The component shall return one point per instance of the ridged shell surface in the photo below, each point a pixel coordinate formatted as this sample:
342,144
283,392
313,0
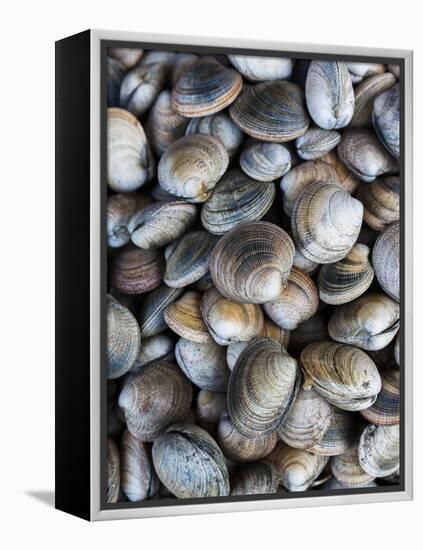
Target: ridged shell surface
339,436
256,478
381,201
221,126
365,95
257,68
127,56
150,315
347,469
265,161
113,472
386,409
135,271
386,119
141,86
184,318
386,260
120,209
316,142
379,450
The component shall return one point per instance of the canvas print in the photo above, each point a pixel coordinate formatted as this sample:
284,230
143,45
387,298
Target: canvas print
253,276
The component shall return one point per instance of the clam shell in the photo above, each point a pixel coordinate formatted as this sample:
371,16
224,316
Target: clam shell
261,388
181,63
326,222
381,201
369,322
379,449
316,142
155,398
113,472
236,199
150,315
239,448
204,364
136,271
364,155
205,87
120,209
297,303
343,281
302,176
360,71
258,68
184,318
159,346
230,322
115,71
339,436
347,469
386,260
265,161
188,259
386,119
209,406
164,125
256,478
190,464
141,86
296,469
329,94
192,166
130,162
138,478
127,56
304,264
219,125
161,223
251,263
343,175
123,339
233,351
365,94
344,375
307,420
395,70
386,409
271,111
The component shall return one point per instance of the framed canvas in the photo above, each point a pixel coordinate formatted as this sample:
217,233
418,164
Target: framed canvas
233,275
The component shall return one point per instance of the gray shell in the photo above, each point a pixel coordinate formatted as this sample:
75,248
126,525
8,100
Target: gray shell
365,95
379,450
219,125
258,68
265,161
386,260
386,119
150,316
256,478
316,142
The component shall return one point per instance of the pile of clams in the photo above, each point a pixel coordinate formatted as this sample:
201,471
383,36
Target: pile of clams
253,275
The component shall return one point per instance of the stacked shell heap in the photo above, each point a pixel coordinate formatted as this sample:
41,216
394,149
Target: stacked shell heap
253,270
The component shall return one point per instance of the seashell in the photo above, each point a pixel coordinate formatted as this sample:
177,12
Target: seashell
113,472
184,318
312,330
395,70
365,94
150,316
160,223
302,176
219,125
271,111
326,222
381,201
364,155
120,209
190,464
258,68
386,409
344,375
239,448
159,194
272,330
343,281
347,469
154,348
123,339
251,262
181,63
316,142
261,388
304,264
233,351
204,364
158,396
397,352
360,71
265,161
130,162
307,420
343,175
297,303
386,119
256,478
188,260
209,406
378,450
129,57
164,125
339,436
205,87
115,71
369,322
159,56
136,271
296,469
386,260
334,484
141,86
230,322
138,478
329,94
204,283
192,166
236,199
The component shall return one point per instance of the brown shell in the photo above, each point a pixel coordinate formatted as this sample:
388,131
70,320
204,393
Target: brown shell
184,317
347,470
135,271
386,260
113,472
256,478
386,409
339,436
381,201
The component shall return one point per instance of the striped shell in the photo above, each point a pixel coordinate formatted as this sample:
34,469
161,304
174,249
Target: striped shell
271,111
251,263
184,318
113,472
127,56
141,86
316,142
365,94
360,71
154,348
339,436
347,469
381,201
150,315
258,68
256,478
120,209
379,450
265,161
236,199
344,375
135,271
344,176
386,119
386,409
155,398
386,260
221,126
